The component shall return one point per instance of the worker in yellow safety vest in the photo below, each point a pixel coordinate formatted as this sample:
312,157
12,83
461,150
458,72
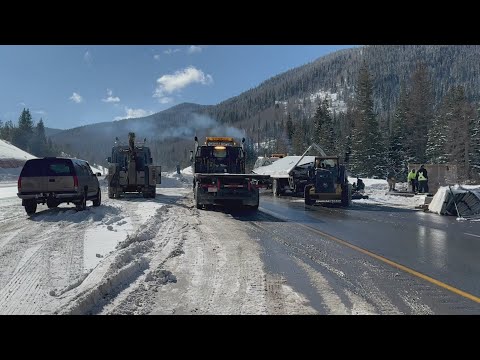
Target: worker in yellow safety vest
412,179
422,178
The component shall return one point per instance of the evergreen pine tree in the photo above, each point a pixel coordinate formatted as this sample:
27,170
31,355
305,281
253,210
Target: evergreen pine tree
323,130
397,158
39,141
475,148
367,156
22,136
298,139
460,120
289,127
420,112
436,152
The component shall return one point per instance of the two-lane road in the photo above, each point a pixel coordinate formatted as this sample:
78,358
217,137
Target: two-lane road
390,260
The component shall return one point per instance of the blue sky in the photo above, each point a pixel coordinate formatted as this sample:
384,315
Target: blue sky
71,86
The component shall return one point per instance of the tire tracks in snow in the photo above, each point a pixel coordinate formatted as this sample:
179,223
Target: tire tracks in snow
109,285
40,254
222,273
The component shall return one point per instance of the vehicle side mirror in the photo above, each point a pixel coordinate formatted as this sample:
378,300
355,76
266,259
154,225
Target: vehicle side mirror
191,155
109,159
98,174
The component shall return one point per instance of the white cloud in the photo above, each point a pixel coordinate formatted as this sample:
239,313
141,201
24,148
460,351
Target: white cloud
171,51
156,57
88,57
194,49
165,100
110,98
22,104
76,98
168,84
39,112
133,113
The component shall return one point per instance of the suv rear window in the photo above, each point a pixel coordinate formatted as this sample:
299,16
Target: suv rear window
47,167
59,169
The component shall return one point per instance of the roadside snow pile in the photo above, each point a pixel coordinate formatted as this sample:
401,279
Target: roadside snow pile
9,151
464,198
187,171
377,189
11,160
174,180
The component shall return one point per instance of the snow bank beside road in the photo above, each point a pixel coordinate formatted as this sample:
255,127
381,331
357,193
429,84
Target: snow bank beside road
9,151
377,189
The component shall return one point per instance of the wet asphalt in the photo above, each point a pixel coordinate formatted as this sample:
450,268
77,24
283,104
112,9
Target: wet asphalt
295,237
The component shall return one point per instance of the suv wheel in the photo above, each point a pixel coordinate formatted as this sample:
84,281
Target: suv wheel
98,200
31,207
82,205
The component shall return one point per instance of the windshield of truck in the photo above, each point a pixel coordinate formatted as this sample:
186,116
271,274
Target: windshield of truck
220,152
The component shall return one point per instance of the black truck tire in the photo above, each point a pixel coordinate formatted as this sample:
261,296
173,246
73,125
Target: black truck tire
346,196
195,195
51,203
306,195
254,207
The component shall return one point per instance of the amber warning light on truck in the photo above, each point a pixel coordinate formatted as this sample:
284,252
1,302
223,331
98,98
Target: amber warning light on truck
220,141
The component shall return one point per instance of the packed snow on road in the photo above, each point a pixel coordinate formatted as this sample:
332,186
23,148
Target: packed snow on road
131,256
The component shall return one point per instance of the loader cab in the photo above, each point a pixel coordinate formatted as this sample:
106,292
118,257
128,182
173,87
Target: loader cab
326,174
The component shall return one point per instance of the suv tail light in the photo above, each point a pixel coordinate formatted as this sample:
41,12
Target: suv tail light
19,184
75,182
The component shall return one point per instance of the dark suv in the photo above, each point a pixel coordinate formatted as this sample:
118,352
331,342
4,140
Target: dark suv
53,181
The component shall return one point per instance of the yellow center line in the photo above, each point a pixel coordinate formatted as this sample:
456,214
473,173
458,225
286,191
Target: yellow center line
381,258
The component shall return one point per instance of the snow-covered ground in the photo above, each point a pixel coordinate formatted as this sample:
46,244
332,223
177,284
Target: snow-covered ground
11,161
377,191
133,256
9,151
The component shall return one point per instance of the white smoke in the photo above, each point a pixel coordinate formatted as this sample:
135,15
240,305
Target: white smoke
214,128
